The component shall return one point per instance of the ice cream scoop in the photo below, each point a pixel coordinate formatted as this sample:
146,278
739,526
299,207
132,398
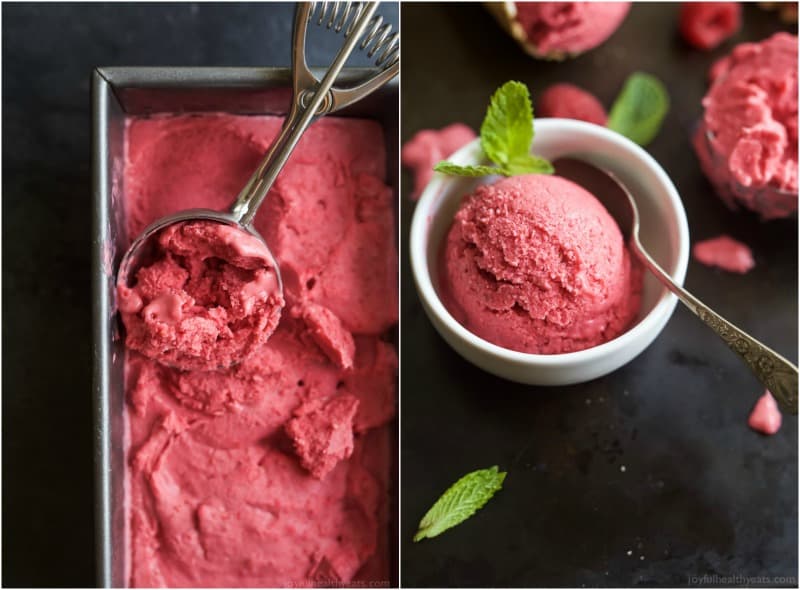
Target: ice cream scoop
312,98
775,372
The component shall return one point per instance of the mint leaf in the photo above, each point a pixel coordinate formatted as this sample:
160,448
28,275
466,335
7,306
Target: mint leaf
640,108
456,170
507,129
506,136
460,501
528,164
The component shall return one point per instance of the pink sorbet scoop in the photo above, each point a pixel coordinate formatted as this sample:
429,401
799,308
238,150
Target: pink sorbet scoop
536,264
210,297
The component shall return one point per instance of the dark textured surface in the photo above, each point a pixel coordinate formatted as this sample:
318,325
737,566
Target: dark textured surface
701,494
48,54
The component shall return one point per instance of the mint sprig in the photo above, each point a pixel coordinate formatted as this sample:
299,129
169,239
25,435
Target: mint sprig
460,501
640,108
506,137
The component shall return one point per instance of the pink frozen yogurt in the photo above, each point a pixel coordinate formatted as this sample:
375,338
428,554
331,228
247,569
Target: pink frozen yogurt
765,417
322,433
536,264
328,332
726,253
430,146
208,301
571,102
275,471
557,29
747,139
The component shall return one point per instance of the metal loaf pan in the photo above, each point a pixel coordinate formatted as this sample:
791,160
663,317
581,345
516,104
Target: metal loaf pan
116,93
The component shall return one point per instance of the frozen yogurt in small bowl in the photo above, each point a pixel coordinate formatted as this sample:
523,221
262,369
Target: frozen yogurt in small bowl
529,277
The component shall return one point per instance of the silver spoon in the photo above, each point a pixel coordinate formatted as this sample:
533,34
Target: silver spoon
311,99
773,371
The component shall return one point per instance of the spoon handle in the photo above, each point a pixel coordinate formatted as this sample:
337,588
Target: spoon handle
773,371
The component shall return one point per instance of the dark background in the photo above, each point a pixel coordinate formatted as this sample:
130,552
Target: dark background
49,51
701,493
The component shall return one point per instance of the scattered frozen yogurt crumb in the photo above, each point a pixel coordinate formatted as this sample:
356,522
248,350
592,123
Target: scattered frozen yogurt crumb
571,102
765,417
622,468
430,146
726,253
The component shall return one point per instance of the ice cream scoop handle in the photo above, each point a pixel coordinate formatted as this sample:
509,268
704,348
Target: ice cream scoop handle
773,371
309,102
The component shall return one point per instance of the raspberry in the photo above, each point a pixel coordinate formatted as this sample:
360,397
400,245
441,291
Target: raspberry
705,25
570,102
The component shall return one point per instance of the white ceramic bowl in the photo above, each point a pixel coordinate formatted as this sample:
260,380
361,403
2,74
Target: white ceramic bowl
664,233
